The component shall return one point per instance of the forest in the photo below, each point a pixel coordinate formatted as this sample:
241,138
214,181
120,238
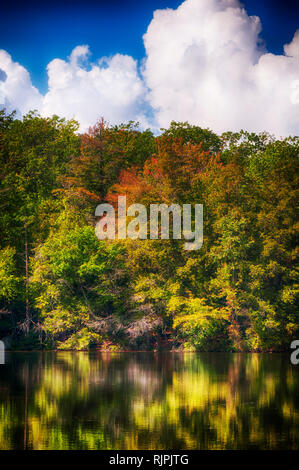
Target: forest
62,288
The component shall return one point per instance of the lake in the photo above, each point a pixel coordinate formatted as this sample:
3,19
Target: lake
148,400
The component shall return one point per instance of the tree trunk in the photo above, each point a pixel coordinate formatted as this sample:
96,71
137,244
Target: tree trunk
28,319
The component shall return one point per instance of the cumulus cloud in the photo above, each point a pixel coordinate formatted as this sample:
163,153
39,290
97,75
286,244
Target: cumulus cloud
78,88
205,63
16,89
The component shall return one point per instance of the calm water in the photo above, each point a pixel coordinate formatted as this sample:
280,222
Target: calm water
148,401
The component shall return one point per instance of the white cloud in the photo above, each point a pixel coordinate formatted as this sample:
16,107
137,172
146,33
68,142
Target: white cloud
205,63
78,88
292,49
16,89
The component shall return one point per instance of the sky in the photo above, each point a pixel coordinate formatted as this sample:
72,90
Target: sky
220,64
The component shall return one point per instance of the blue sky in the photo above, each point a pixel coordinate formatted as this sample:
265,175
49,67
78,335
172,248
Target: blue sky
210,62
34,32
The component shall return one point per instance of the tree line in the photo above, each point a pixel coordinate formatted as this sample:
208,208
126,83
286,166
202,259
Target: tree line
60,287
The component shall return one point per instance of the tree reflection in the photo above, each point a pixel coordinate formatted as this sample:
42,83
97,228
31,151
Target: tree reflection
132,401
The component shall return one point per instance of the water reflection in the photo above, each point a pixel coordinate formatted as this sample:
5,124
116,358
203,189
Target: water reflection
148,401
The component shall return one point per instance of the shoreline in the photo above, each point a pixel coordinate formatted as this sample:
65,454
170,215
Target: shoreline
177,351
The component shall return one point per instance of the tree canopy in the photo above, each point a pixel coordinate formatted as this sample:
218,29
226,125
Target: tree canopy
60,287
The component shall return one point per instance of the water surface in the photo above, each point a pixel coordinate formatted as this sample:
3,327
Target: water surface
65,400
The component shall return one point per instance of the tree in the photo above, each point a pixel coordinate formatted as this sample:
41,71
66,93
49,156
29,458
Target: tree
79,284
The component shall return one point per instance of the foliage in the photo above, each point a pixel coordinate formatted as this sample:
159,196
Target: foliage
78,282
238,292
